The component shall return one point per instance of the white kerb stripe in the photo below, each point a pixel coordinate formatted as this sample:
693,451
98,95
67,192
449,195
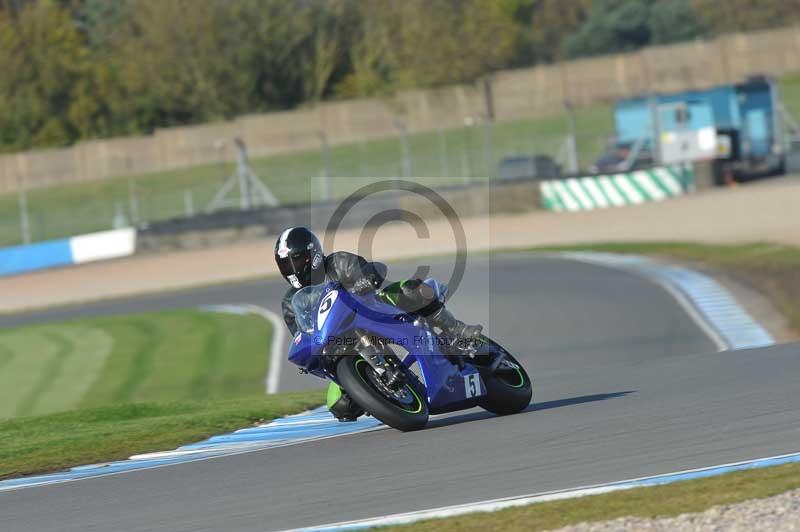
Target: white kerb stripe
565,196
104,245
647,183
549,196
576,188
611,191
590,184
629,190
669,181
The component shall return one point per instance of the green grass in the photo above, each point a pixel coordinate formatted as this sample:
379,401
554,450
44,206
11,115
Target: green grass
100,389
85,207
789,88
771,269
163,356
90,435
662,501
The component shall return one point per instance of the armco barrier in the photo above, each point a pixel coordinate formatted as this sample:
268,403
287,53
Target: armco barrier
617,190
75,250
225,227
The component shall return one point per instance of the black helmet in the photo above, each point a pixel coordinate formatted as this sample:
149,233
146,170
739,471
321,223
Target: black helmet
298,254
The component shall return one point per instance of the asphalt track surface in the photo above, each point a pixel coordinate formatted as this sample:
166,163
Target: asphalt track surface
626,385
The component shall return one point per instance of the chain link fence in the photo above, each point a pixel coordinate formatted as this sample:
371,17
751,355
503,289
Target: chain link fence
437,158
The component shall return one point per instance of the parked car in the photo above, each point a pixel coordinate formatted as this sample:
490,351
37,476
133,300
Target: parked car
541,167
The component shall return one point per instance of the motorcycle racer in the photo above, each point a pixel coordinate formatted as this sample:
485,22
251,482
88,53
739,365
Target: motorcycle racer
301,261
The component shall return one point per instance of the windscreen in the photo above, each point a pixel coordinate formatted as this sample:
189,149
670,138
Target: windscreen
305,303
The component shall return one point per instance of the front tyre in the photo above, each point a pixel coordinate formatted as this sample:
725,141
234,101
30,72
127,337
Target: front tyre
403,409
509,389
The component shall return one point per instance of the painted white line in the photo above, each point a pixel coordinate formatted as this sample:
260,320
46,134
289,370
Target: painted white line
494,505
277,350
278,347
168,454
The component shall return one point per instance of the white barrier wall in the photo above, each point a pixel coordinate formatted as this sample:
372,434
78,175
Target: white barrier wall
102,246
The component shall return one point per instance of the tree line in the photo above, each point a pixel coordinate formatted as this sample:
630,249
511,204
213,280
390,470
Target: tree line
82,69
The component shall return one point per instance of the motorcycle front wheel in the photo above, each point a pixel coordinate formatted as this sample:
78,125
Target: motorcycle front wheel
509,389
403,408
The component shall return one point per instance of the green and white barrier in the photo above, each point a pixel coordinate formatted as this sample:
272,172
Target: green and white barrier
617,190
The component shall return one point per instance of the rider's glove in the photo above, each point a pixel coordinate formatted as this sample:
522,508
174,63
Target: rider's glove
363,286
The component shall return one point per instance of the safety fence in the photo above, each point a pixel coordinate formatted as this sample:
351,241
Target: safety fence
573,194
445,157
617,190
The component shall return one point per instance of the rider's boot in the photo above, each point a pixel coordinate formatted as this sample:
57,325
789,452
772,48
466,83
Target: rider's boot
452,327
342,405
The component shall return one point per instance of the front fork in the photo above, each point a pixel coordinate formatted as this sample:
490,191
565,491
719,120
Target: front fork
385,368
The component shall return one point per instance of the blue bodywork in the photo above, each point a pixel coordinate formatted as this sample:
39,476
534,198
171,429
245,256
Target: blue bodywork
329,327
749,109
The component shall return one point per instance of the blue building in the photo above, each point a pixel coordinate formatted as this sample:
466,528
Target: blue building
738,126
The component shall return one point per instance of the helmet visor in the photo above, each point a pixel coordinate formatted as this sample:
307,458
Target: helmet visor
303,269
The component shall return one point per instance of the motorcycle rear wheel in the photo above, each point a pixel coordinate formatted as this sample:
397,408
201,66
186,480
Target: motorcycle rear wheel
405,409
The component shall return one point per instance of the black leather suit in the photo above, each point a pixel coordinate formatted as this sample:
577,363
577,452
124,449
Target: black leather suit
358,275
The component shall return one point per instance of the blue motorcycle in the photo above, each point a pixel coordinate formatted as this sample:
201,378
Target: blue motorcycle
394,366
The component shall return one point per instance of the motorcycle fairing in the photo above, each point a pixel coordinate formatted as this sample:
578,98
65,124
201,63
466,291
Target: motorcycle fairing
448,387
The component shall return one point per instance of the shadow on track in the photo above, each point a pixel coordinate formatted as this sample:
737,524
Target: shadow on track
535,407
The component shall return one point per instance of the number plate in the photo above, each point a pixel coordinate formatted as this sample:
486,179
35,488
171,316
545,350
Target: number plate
472,385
